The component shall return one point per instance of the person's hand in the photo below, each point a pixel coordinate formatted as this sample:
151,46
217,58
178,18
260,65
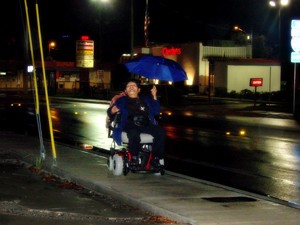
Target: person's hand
154,92
114,109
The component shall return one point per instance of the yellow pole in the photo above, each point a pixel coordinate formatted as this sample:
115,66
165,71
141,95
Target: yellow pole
37,103
32,59
45,86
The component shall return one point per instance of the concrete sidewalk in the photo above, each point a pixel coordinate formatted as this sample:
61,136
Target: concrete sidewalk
186,200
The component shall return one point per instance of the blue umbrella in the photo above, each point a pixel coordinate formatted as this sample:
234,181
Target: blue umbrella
157,67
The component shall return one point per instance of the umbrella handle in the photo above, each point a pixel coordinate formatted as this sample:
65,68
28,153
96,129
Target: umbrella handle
154,92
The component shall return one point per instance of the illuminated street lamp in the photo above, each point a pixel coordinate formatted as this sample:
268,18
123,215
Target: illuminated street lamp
131,29
100,0
100,30
279,4
246,37
131,25
51,45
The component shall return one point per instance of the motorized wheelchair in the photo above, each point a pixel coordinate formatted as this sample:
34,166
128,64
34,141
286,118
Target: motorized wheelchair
120,160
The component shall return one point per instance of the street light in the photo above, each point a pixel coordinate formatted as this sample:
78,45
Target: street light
131,29
248,38
51,45
279,4
100,0
274,3
100,30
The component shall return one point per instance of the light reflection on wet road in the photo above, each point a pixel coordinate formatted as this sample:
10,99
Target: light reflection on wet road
208,144
264,159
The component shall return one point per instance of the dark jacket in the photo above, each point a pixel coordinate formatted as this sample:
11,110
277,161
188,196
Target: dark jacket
121,103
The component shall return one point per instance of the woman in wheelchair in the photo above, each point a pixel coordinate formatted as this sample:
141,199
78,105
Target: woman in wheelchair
137,115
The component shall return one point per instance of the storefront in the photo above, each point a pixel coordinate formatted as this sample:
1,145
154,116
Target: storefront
227,68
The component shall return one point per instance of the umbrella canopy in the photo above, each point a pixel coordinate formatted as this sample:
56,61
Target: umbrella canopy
157,67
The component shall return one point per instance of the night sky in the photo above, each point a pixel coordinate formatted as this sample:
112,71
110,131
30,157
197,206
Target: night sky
172,21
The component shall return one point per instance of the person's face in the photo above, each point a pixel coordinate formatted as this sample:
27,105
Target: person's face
132,90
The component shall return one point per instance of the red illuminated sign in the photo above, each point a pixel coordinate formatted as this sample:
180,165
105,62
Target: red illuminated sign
84,37
256,82
171,51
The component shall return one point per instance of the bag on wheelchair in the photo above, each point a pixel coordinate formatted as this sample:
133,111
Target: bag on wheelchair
140,120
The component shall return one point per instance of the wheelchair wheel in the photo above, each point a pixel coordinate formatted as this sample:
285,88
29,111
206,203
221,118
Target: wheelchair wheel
118,165
161,171
125,170
110,163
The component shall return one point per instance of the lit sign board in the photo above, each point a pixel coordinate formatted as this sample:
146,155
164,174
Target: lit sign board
85,53
30,68
295,41
84,37
171,51
256,82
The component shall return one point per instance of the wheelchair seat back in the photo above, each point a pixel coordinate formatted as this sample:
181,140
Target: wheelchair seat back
145,138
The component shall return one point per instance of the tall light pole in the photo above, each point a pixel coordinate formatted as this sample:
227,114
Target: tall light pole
131,30
279,4
248,38
100,29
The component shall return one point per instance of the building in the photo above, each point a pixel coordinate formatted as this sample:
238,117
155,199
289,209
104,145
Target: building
211,68
62,77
